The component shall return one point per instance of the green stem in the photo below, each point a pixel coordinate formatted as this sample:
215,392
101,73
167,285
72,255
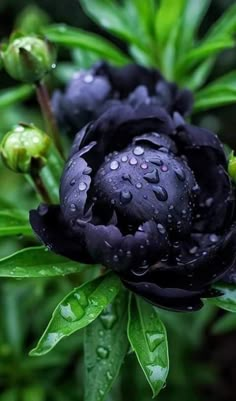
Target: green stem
51,125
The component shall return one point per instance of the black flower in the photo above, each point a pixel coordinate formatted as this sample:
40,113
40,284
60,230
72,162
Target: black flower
148,196
91,92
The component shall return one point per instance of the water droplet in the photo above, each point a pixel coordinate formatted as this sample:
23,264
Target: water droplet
108,317
125,197
42,209
144,166
209,202
180,173
193,250
116,258
161,228
141,270
87,170
53,66
160,193
129,254
109,375
126,177
154,339
88,78
157,161
138,151
133,161
102,352
72,183
82,186
124,159
114,165
71,311
213,237
152,177
138,185
164,168
73,207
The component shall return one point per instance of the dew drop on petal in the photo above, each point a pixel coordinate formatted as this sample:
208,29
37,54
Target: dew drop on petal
82,186
138,151
144,166
114,165
213,237
161,228
180,173
152,177
160,193
125,197
133,161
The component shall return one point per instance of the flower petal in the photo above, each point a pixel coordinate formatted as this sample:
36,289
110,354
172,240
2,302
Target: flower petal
108,246
48,224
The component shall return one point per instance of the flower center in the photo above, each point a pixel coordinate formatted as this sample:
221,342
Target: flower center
141,184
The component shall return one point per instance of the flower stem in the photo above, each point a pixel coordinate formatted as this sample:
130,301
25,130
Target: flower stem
51,125
40,187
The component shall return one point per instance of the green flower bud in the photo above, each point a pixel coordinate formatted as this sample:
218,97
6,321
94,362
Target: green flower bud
28,59
25,149
232,166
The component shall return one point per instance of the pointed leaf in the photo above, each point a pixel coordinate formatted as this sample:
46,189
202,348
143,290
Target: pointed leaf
191,19
77,38
105,347
110,16
147,336
225,25
14,222
37,262
16,94
203,51
167,17
214,98
78,309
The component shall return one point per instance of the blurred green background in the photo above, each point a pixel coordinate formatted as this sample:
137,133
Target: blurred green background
202,345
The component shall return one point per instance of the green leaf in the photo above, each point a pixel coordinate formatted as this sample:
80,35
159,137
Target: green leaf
14,222
204,50
105,347
214,98
199,75
191,19
219,92
37,262
76,38
227,301
147,336
167,17
114,18
225,324
146,11
11,96
78,309
225,25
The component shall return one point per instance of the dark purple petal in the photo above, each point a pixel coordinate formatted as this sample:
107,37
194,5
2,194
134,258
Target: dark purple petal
50,227
174,299
107,245
75,183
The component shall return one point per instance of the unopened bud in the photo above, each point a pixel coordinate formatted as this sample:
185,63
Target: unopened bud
25,149
28,59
